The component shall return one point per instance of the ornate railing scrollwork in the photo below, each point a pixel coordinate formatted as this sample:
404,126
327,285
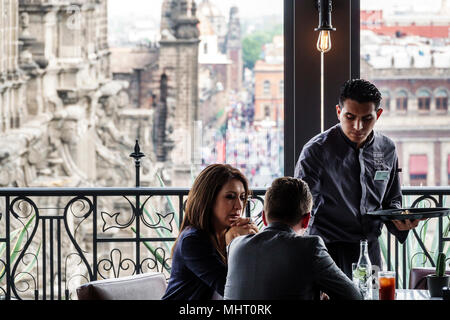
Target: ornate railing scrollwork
116,264
68,279
426,201
27,284
158,263
164,221
76,250
252,203
80,210
71,236
2,278
26,207
111,221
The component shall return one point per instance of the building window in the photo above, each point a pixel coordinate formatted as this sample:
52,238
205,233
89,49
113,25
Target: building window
441,99
402,101
385,101
423,100
267,87
418,169
402,58
267,111
281,88
387,104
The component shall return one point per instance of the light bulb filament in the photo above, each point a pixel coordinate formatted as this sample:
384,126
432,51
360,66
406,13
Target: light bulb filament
324,41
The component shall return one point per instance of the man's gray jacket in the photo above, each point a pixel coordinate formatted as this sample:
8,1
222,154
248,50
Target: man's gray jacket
276,264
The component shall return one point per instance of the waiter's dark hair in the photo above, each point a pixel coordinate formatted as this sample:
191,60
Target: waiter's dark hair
361,91
288,200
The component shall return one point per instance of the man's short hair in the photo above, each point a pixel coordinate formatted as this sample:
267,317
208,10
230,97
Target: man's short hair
288,200
361,91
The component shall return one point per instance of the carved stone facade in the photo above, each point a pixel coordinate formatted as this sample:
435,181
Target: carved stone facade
233,47
62,115
178,70
187,79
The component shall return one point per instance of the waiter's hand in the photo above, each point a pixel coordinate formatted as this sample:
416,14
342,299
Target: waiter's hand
406,224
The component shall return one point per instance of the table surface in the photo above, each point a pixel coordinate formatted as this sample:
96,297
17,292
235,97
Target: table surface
410,294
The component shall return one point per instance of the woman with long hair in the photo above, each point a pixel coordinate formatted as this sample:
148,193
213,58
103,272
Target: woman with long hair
212,219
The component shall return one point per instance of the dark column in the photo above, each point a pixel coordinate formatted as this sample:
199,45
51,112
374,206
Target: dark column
302,70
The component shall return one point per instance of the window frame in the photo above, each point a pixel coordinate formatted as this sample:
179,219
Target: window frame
423,100
441,104
401,101
267,86
441,101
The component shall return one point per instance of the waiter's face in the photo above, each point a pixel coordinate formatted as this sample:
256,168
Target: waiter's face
357,119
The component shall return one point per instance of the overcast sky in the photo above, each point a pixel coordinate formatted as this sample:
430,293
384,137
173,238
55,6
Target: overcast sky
415,5
247,8
251,8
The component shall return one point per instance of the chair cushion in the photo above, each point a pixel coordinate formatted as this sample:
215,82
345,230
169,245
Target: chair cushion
418,277
147,286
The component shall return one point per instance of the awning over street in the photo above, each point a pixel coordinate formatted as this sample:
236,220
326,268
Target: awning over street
418,164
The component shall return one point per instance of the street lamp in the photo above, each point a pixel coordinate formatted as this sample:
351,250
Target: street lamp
323,45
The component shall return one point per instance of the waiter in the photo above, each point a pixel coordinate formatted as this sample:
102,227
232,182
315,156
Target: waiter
351,170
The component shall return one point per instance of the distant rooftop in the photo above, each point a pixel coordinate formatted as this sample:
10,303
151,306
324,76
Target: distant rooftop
124,60
404,52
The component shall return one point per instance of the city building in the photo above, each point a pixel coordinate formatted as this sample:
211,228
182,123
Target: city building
199,59
269,83
214,64
405,21
69,120
137,66
411,70
162,79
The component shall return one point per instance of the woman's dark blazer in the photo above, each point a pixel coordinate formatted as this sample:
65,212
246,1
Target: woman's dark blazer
197,269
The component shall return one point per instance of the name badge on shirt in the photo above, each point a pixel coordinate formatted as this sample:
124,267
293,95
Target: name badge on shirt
381,175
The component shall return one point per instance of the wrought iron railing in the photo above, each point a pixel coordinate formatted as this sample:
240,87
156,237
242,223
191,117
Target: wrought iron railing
425,241
65,254
54,239
84,239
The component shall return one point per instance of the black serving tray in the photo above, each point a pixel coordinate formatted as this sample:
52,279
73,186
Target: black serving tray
414,213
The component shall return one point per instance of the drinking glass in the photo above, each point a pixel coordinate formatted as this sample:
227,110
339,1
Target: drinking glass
386,280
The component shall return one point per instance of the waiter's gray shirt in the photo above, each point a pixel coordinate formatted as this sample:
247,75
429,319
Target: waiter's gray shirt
347,182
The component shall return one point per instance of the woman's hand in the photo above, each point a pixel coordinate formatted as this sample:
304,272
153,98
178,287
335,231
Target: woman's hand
240,227
246,222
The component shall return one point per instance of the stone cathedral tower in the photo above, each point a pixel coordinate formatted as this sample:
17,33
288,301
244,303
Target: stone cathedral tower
233,48
178,66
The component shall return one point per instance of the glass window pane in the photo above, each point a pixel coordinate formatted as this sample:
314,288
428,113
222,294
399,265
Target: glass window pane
405,51
224,99
185,78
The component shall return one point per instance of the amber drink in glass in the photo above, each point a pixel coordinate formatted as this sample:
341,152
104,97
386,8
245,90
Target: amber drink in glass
386,281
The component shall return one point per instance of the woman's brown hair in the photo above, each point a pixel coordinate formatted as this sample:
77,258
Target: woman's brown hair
202,196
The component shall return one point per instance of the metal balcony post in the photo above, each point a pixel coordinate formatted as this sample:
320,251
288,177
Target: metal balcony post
137,155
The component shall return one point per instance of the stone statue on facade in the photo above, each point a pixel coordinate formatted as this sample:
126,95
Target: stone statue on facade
112,145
